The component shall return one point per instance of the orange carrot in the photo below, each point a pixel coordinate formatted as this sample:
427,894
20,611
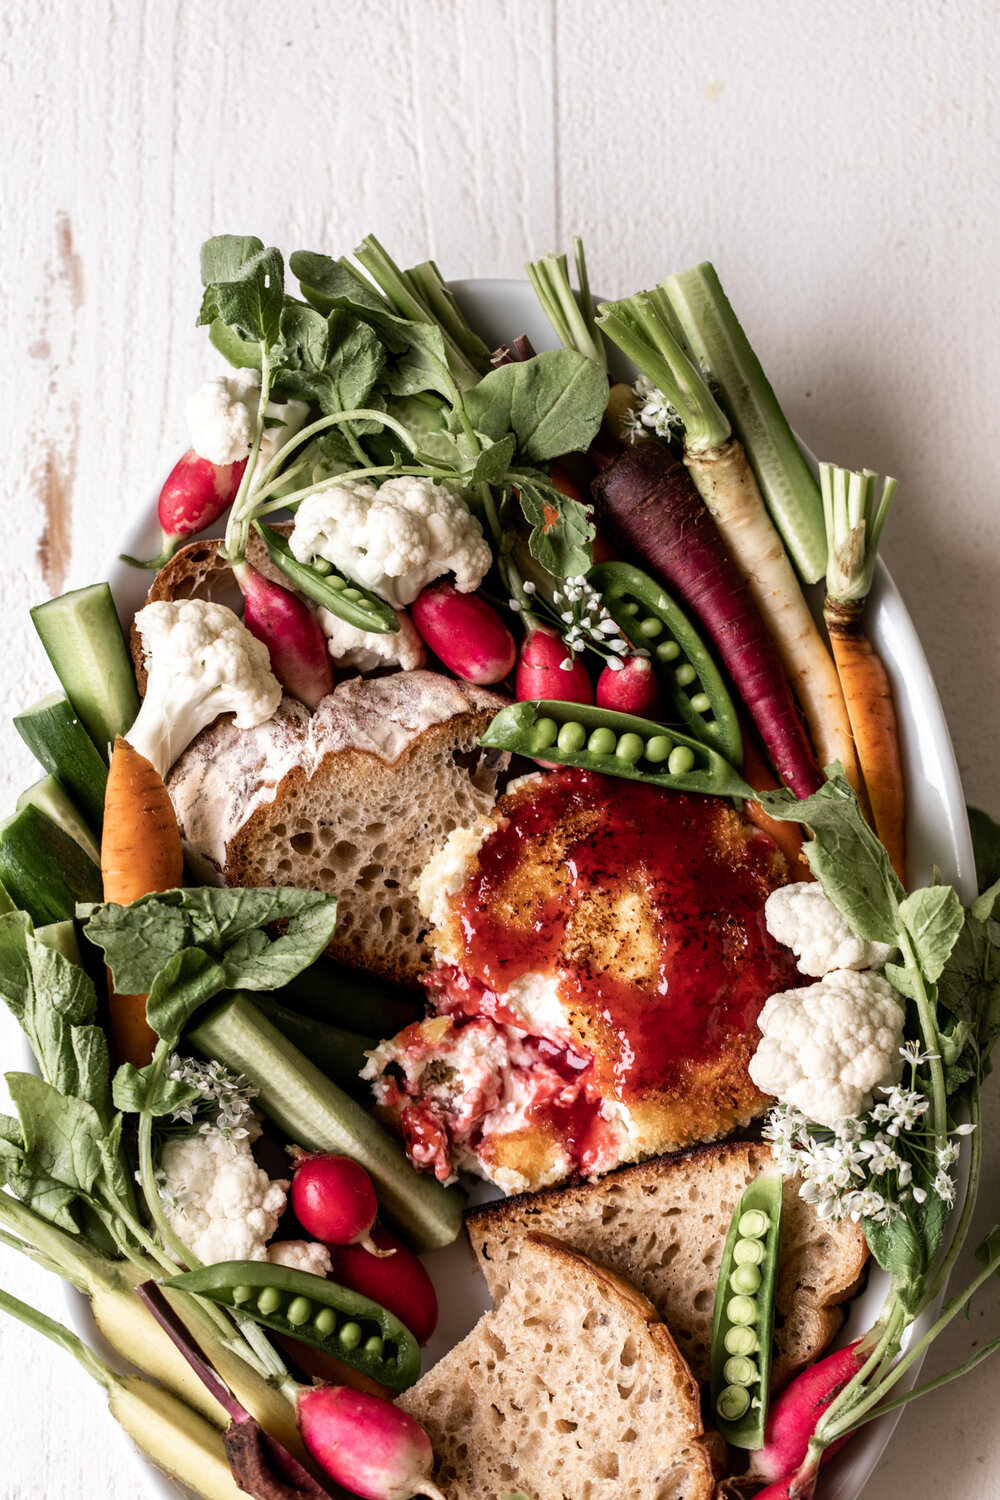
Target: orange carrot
140,853
787,836
873,720
854,517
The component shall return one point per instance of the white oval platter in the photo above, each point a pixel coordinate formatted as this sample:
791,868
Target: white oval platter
937,834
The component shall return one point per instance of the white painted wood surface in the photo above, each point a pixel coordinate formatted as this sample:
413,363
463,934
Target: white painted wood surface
838,163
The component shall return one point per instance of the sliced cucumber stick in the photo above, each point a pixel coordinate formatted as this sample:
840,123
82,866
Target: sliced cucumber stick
44,870
51,797
84,642
57,739
316,1114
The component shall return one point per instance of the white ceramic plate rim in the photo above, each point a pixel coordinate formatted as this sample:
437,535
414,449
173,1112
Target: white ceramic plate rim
938,834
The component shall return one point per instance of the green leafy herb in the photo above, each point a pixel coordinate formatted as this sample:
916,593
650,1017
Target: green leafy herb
148,1088
562,532
553,404
61,1134
183,947
933,917
244,287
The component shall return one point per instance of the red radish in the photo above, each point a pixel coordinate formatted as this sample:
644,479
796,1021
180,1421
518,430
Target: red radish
648,500
194,494
794,1417
632,689
334,1200
465,632
297,646
366,1444
399,1283
540,673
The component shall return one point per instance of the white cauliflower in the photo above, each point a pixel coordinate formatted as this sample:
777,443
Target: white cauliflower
301,1255
218,1201
368,649
222,415
394,540
801,918
827,1047
201,661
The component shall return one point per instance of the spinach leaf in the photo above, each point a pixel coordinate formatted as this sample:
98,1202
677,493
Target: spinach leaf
844,855
553,404
562,532
244,287
184,946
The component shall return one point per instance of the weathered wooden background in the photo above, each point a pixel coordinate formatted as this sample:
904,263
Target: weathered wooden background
838,163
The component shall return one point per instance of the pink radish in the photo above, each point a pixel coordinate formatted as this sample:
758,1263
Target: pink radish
366,1444
632,689
194,494
334,1200
297,646
794,1417
398,1282
465,632
649,502
540,673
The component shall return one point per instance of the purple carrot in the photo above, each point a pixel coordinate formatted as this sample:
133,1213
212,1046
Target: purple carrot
195,493
297,646
647,501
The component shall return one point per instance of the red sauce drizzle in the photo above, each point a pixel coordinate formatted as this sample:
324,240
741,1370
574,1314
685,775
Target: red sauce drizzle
716,963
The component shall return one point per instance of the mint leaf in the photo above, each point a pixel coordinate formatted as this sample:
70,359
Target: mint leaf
933,917
844,855
553,404
244,287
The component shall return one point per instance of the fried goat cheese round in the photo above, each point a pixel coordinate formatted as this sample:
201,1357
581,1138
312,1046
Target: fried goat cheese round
602,958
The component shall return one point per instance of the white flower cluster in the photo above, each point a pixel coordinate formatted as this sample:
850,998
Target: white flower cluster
863,1167
584,621
225,1097
654,415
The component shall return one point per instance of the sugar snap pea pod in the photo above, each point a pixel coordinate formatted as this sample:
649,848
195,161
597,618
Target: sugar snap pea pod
743,1321
358,606
598,739
331,1317
685,668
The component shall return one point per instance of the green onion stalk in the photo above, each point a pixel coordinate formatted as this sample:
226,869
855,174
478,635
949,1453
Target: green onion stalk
572,315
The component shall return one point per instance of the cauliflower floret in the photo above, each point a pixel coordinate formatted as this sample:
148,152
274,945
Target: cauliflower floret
394,540
801,917
201,662
301,1255
368,649
222,414
219,1202
826,1047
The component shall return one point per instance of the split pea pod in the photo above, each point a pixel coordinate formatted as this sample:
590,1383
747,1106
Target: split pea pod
319,1312
685,668
599,739
324,586
743,1321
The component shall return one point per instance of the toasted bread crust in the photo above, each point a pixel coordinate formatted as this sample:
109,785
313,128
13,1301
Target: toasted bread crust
572,1382
662,1224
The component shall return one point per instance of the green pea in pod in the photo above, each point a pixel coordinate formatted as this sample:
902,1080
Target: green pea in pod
743,1321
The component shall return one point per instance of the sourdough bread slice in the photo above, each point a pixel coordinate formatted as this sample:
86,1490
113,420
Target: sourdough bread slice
662,1224
572,1389
352,799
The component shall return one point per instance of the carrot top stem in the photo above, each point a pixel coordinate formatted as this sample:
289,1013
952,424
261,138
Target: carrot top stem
854,519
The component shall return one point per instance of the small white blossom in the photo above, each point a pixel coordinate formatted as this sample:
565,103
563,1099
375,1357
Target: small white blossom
944,1187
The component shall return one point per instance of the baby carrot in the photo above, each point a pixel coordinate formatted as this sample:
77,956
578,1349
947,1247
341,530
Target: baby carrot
787,836
140,853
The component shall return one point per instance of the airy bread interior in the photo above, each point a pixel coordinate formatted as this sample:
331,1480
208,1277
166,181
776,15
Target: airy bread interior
571,1390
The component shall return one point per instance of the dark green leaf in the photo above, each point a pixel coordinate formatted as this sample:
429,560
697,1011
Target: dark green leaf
327,284
131,1091
845,856
933,917
244,287
988,1250
985,847
553,404
242,353
61,1135
969,986
493,463
562,531
185,982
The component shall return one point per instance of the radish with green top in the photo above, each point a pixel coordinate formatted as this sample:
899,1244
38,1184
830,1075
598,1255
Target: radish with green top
647,329
195,493
291,633
466,633
647,498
